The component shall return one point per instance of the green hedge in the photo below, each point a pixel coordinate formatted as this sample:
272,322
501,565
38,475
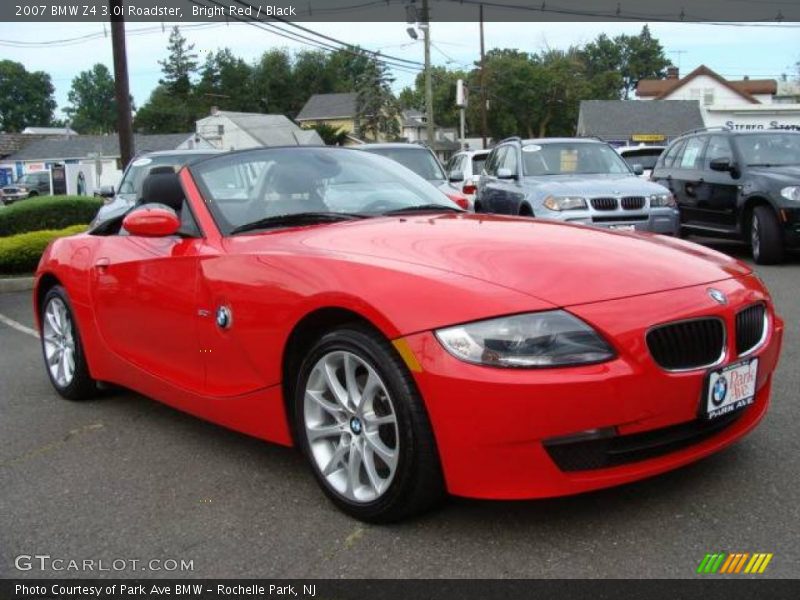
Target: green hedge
47,212
21,253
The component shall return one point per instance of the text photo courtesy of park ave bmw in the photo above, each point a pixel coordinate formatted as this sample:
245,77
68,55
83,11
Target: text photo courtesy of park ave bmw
436,298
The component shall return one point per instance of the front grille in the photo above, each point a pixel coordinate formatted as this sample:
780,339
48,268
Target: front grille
623,449
620,219
687,344
604,203
749,328
632,202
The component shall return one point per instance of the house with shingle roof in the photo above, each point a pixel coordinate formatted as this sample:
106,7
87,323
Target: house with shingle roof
737,104
230,130
623,122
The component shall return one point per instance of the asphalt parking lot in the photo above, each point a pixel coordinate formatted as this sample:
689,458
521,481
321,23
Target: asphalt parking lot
124,477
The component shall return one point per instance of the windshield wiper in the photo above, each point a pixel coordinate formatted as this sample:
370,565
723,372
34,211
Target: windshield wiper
772,165
304,218
423,208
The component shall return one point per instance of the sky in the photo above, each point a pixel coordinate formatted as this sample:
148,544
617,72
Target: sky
732,51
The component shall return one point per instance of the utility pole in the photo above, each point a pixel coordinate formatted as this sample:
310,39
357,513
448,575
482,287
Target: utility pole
484,126
121,89
426,26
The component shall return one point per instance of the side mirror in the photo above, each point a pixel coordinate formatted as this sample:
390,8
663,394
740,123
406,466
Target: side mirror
721,164
503,173
152,220
638,169
106,191
456,176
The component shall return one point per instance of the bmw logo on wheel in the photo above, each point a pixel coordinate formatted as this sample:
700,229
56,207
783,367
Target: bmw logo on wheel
719,391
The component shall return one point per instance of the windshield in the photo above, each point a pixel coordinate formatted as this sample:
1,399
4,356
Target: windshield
30,179
770,149
572,158
247,187
478,161
416,158
131,184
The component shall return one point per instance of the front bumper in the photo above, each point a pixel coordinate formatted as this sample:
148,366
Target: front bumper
492,425
655,220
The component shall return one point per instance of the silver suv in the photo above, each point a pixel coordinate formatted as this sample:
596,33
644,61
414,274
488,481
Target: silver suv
578,180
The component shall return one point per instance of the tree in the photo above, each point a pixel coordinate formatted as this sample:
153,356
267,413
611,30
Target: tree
310,75
377,110
332,136
443,84
164,113
180,65
93,104
227,82
272,82
642,58
27,97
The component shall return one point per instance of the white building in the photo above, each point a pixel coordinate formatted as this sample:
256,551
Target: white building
742,104
228,130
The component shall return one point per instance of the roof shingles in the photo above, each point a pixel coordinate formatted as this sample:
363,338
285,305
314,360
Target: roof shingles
614,119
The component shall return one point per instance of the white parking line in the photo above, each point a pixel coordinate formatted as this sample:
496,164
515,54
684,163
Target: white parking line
19,326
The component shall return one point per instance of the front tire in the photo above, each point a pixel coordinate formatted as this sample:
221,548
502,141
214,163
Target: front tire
766,239
64,358
361,423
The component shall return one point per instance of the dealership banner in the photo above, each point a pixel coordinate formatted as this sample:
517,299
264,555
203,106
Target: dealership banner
766,14
394,589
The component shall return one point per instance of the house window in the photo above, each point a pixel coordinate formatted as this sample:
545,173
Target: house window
708,97
220,129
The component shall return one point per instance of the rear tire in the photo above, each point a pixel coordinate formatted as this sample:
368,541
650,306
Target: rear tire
361,423
62,349
766,238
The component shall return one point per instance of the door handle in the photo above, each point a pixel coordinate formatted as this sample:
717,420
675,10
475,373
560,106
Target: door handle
101,264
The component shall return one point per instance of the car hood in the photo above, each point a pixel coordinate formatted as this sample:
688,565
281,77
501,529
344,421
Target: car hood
558,263
594,185
789,175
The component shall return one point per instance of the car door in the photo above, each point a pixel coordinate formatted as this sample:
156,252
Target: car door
663,173
489,194
510,184
687,177
144,291
717,191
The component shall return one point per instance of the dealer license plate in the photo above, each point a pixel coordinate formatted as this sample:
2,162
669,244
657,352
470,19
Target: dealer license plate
730,389
623,227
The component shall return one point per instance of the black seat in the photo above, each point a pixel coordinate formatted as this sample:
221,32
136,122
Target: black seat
161,186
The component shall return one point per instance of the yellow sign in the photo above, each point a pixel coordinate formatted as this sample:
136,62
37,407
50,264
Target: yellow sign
648,137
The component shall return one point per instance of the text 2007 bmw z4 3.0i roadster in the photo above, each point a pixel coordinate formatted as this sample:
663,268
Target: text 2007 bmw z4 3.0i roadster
332,299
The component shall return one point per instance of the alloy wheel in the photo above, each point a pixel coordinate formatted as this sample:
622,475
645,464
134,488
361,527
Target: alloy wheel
59,342
351,426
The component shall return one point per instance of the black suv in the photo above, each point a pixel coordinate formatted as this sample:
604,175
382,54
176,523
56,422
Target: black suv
737,184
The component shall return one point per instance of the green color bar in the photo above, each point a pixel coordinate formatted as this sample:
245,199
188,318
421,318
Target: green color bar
718,564
703,563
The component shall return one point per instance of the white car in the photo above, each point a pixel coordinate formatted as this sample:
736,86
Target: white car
642,155
464,170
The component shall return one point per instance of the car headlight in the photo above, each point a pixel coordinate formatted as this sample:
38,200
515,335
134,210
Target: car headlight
544,339
662,200
22,189
564,203
791,193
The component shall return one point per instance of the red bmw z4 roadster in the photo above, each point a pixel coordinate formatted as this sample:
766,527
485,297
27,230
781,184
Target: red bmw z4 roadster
333,300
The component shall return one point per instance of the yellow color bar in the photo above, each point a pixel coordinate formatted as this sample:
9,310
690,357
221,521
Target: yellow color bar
764,564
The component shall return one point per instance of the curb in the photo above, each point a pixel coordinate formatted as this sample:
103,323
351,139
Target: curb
16,284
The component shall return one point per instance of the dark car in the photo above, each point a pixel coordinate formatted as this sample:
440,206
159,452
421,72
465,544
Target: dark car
27,186
737,185
423,162
121,200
